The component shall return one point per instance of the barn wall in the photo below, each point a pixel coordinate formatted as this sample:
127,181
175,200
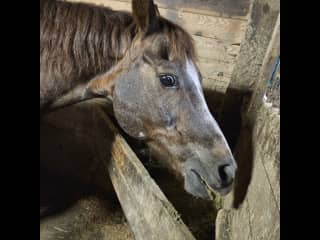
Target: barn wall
252,210
220,28
217,26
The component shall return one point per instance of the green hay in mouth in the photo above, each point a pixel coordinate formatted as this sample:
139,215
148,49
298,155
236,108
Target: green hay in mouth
213,195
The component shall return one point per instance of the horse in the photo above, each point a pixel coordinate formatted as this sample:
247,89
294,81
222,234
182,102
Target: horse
146,65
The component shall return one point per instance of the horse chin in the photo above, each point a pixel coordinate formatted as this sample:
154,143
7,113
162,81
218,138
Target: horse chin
192,183
198,190
195,186
201,192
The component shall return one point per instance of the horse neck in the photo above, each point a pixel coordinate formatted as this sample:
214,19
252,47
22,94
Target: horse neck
98,40
80,40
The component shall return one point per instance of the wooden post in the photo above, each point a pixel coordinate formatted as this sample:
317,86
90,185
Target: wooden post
263,19
272,53
262,22
149,213
92,150
259,52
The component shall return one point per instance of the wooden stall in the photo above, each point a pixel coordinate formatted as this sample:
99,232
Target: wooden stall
252,211
75,140
238,45
217,27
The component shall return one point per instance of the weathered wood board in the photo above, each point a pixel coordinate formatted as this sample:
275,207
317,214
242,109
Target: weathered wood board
75,144
252,60
261,24
149,213
258,215
222,8
268,64
254,205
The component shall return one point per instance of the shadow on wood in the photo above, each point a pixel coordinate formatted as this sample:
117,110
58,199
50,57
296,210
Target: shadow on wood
238,133
70,155
72,145
244,158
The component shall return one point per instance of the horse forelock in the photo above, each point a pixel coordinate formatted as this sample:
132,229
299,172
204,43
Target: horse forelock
181,44
80,39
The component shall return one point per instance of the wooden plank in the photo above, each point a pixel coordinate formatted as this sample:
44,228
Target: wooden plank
217,64
211,49
266,136
258,147
263,19
214,68
75,140
147,210
225,30
272,53
210,67
220,8
149,213
216,74
260,203
257,151
222,29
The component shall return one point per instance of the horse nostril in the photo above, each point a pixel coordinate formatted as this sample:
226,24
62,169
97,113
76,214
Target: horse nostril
226,174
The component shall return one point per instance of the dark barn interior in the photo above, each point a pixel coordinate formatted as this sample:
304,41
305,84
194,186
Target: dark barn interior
238,44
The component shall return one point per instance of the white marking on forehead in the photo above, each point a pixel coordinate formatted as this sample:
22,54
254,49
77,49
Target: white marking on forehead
192,72
194,75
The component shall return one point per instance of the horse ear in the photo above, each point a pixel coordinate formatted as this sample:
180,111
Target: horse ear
146,15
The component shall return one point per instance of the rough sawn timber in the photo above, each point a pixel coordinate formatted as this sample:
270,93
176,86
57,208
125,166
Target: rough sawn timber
149,213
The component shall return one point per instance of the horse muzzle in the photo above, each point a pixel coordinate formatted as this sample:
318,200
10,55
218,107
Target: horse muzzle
202,178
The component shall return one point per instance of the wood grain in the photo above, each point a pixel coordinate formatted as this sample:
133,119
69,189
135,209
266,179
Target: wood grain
237,9
262,22
149,213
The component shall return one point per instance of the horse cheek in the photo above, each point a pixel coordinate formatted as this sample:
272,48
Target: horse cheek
127,106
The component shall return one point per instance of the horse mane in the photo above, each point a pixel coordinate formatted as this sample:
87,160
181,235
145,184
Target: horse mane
81,40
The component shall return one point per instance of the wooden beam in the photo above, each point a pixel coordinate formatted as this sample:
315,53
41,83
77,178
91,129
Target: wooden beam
272,54
218,8
82,143
244,79
149,213
262,22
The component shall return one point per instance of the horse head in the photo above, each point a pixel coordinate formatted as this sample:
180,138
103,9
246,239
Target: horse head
158,97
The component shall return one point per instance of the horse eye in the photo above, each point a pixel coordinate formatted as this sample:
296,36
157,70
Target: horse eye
168,80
